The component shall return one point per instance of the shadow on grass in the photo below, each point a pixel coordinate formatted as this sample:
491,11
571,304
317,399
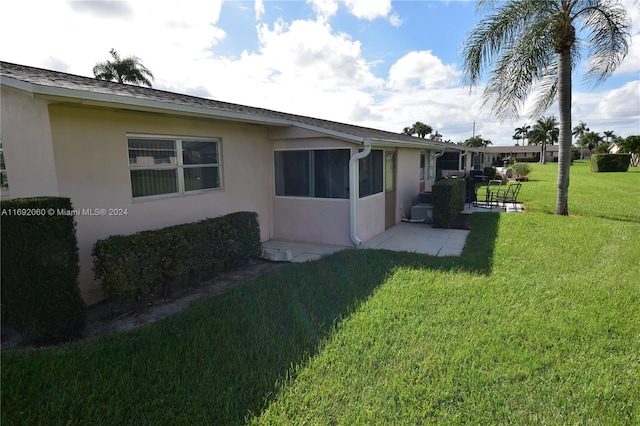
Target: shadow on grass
631,219
222,360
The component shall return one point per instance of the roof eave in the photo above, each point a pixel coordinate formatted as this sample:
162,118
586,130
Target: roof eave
87,97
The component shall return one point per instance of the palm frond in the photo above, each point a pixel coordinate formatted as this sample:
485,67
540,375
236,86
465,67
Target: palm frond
608,36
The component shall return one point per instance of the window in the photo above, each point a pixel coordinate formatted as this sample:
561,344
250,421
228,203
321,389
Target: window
431,165
160,166
449,161
319,173
427,165
371,173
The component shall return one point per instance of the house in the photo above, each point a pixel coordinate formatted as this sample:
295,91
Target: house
521,153
144,159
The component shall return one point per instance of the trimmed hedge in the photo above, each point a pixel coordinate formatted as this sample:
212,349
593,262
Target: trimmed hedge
448,201
134,265
490,172
40,295
610,162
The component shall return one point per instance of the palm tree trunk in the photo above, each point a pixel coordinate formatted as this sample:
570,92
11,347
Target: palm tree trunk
564,137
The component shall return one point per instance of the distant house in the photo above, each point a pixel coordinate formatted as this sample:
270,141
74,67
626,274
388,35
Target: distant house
157,158
521,153
614,148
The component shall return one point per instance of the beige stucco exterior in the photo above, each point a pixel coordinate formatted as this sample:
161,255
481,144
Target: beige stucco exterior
59,147
30,164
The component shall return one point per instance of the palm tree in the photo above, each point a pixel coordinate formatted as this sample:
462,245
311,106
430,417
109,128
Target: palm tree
477,142
578,131
419,128
590,140
534,44
521,133
608,134
544,132
126,70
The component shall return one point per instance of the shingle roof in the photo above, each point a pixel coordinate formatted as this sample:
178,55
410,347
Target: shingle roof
54,79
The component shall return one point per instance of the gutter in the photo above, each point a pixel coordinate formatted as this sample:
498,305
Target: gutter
460,165
353,191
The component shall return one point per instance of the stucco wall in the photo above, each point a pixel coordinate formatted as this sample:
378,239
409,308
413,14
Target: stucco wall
90,147
312,220
371,216
27,145
408,180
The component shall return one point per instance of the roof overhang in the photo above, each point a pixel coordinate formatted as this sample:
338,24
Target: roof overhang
57,94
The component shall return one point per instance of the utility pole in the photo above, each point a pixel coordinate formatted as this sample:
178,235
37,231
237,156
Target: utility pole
474,129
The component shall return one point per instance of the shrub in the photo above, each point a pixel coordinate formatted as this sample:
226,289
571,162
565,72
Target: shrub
134,265
610,162
40,295
448,201
521,169
490,172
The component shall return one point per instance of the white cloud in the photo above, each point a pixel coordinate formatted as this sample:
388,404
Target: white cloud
369,9
259,6
324,8
165,35
621,104
395,20
631,64
421,69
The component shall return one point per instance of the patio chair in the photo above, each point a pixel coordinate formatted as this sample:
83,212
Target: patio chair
510,195
486,196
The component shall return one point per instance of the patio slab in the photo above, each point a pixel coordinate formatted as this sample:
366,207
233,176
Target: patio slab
411,237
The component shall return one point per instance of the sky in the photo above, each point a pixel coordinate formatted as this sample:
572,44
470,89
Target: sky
376,63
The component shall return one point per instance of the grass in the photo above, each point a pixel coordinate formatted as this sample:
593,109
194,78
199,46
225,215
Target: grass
536,323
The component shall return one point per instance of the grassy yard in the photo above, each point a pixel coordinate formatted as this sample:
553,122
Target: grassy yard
538,322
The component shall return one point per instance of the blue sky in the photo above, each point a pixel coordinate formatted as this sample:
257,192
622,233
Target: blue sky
377,63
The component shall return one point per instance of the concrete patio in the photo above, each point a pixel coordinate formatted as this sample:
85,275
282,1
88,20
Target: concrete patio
411,237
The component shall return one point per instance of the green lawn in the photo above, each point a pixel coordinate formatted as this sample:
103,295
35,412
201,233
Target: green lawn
538,322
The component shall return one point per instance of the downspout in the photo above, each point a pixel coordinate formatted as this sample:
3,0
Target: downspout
460,166
435,156
353,191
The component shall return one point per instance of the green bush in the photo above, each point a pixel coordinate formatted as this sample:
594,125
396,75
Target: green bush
610,162
134,265
40,295
448,201
521,169
490,172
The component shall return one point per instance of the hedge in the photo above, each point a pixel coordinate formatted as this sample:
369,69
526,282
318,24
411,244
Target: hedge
40,295
610,162
448,201
135,265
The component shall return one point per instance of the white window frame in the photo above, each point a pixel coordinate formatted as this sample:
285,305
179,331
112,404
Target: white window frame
311,174
429,170
180,167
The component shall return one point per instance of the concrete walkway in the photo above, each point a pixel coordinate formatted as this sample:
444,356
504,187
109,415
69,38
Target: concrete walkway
411,237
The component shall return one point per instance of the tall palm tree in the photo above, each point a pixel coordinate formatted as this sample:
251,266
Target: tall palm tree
578,131
477,142
544,132
591,140
534,44
418,128
608,134
123,70
521,133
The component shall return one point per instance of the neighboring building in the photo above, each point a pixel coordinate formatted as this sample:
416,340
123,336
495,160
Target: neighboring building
614,148
154,158
521,153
